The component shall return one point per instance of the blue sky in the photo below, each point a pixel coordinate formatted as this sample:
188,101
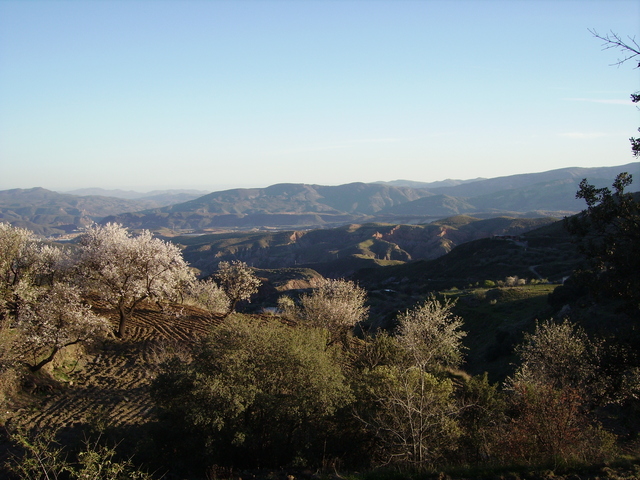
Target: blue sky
222,94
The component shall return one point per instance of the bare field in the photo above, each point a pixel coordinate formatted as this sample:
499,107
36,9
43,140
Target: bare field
112,386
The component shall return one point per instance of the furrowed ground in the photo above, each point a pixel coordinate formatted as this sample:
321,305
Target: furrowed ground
111,383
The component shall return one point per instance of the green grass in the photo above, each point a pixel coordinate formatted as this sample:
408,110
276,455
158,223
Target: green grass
495,320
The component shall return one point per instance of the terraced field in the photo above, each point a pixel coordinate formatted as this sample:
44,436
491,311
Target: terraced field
113,384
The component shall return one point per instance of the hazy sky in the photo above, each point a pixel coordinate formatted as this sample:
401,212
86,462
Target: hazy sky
220,94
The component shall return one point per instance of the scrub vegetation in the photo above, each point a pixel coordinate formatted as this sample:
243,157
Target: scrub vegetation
495,376
117,362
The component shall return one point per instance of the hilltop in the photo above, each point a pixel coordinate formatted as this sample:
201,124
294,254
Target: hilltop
51,213
291,206
285,206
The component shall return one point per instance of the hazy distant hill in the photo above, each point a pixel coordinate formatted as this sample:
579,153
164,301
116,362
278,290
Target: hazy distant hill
296,205
602,176
435,205
281,205
551,193
47,212
429,185
159,198
352,198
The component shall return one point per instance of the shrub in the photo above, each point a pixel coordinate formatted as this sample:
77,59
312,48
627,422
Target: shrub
42,457
550,426
206,294
561,355
411,413
482,417
431,334
336,305
256,393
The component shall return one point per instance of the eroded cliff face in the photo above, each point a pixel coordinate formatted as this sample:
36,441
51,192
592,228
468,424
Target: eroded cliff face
361,242
388,243
421,242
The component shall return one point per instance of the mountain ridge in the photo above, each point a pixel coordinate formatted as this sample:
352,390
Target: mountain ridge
550,193
298,205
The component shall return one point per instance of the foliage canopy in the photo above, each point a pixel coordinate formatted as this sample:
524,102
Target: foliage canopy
255,389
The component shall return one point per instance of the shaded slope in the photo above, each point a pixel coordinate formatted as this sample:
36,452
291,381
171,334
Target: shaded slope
548,248
342,250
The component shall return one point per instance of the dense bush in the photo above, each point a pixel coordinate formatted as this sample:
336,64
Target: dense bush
255,393
335,305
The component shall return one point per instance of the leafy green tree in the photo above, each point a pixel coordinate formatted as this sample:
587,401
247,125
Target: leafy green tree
255,393
377,350
608,232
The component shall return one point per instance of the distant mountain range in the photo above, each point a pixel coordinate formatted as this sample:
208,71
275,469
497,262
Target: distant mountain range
429,185
161,197
47,212
297,206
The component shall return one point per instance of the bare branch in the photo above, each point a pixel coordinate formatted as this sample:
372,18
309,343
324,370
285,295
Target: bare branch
630,49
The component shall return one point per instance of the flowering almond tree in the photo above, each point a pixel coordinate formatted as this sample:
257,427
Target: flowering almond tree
125,270
336,305
58,319
18,258
238,282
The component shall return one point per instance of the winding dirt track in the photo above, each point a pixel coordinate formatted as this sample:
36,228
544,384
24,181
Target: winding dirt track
113,385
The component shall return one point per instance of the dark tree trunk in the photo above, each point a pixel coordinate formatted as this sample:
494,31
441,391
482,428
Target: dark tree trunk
122,325
43,362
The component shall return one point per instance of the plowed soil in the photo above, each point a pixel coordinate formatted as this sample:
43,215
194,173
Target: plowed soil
112,386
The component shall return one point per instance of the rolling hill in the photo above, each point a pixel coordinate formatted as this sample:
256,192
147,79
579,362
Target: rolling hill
290,206
285,206
49,213
340,251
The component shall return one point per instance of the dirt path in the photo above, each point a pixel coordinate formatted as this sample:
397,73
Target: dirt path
113,386
533,270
